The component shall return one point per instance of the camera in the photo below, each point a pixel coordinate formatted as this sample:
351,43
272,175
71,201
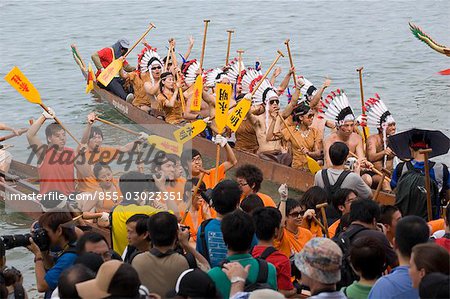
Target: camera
207,196
350,163
39,236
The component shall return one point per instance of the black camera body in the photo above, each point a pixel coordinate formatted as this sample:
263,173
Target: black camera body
39,236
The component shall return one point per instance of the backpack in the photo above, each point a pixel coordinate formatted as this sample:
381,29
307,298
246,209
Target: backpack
204,251
332,189
267,252
344,240
263,275
188,256
411,193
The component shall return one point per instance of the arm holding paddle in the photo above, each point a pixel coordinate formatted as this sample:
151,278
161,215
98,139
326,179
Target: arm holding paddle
231,158
283,191
316,99
287,111
189,49
285,83
32,137
171,102
275,75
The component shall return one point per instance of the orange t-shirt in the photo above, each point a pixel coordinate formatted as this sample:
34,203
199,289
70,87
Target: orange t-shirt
104,154
435,225
193,227
209,179
177,189
313,227
290,243
333,228
266,199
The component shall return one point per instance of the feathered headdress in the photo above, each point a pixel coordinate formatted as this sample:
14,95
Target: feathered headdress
308,90
214,76
264,92
335,107
147,57
233,72
189,70
377,112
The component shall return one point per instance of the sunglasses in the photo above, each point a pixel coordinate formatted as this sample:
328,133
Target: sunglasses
296,214
274,101
156,68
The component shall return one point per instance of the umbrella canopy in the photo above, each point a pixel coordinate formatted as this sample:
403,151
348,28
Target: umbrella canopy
436,140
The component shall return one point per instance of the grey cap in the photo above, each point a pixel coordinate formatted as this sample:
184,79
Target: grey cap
124,43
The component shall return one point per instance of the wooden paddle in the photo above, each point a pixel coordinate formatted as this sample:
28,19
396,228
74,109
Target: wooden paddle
322,207
228,46
169,53
365,135
114,67
237,115
313,166
291,62
178,77
377,191
117,126
198,85
425,153
188,207
21,83
373,168
9,136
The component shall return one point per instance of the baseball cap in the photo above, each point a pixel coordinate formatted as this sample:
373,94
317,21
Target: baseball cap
114,278
320,259
194,283
124,43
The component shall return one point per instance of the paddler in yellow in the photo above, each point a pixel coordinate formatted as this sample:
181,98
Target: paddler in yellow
168,99
95,152
307,137
292,237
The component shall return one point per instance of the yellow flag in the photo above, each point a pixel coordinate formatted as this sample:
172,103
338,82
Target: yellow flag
90,79
223,95
189,131
197,96
166,145
21,83
237,115
110,72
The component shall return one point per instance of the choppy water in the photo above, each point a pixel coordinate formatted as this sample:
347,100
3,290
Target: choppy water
327,38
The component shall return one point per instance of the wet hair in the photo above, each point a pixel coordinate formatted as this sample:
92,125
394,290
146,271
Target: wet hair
432,258
266,221
141,223
89,237
251,202
252,174
387,212
163,228
313,196
411,230
340,196
95,131
51,129
367,256
55,219
364,210
338,153
70,277
99,167
238,230
226,196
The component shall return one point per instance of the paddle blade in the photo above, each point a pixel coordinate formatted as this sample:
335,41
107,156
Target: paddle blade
90,79
237,115
166,145
21,83
445,72
110,72
189,131
223,95
197,96
313,165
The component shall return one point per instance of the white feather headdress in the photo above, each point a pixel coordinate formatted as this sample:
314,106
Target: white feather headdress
233,72
214,76
377,112
148,57
308,90
189,70
335,107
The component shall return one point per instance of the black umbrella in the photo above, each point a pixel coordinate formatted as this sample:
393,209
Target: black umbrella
436,140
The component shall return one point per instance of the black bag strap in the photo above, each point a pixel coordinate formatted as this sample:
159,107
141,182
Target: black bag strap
203,238
267,252
326,181
263,272
351,233
341,179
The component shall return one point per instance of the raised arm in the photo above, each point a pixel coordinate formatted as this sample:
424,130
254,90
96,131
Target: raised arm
283,191
189,49
96,59
316,99
284,84
294,100
275,74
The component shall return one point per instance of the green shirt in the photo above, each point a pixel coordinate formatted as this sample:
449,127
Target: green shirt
357,291
222,282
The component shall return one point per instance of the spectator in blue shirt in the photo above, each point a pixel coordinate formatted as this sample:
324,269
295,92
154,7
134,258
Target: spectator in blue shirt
410,231
225,199
61,234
